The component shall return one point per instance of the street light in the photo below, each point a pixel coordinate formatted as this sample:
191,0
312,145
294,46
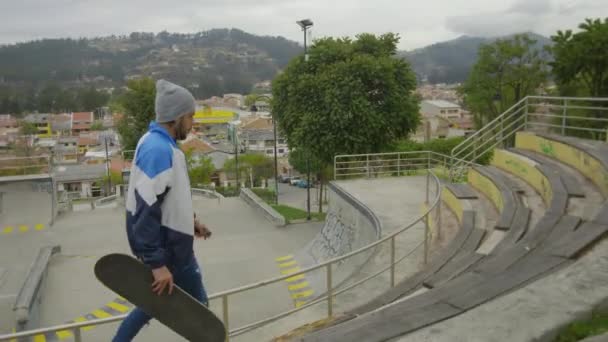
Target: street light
305,24
234,125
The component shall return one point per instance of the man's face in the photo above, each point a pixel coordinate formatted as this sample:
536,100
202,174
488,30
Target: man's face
183,126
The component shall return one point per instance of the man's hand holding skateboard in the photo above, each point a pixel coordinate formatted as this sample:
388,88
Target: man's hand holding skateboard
162,276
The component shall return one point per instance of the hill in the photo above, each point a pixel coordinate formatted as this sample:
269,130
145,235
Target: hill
210,63
451,61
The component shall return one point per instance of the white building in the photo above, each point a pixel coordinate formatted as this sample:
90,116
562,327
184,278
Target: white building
444,109
262,141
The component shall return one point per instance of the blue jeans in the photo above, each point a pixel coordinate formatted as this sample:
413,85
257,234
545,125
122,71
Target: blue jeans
189,279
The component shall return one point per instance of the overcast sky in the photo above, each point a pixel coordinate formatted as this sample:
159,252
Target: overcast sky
419,23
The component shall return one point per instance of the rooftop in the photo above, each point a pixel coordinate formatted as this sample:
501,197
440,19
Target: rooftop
442,104
67,173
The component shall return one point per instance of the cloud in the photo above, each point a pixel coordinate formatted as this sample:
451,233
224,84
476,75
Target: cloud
532,7
419,24
540,16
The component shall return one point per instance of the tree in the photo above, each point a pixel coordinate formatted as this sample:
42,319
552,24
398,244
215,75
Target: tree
350,97
580,63
97,126
138,105
507,70
252,166
200,170
28,128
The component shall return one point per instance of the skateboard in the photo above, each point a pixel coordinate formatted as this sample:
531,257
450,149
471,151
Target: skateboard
180,312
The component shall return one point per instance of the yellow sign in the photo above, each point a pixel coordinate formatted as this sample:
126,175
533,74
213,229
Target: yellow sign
213,116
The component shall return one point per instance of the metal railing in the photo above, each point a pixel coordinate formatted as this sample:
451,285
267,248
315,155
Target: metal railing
569,116
208,193
433,161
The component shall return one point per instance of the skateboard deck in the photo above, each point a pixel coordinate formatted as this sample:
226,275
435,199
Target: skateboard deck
182,313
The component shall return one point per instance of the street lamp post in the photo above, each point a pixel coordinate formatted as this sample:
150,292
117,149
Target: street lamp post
305,24
235,140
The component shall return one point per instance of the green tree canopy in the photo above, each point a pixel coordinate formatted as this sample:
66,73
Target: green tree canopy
580,63
27,128
349,97
138,105
200,169
507,70
257,165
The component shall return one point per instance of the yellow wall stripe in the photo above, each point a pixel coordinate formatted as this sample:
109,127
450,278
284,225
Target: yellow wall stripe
39,226
64,334
7,230
291,270
39,338
295,278
298,286
23,228
303,294
288,264
118,307
284,258
101,314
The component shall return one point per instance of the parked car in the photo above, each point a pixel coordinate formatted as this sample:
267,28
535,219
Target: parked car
303,183
294,180
284,179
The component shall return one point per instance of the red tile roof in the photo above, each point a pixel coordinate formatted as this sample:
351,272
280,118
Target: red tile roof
196,145
82,117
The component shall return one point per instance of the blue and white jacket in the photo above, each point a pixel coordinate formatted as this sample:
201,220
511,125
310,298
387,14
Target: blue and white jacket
160,218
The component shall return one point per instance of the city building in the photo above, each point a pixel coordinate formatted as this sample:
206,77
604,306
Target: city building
82,122
444,109
42,123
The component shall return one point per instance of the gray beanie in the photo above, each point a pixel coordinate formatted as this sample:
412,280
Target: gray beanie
172,101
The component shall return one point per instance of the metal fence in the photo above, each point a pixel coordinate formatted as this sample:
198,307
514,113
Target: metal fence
433,162
568,116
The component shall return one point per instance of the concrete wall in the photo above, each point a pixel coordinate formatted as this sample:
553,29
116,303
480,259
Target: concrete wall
452,202
487,187
349,226
257,203
524,169
578,159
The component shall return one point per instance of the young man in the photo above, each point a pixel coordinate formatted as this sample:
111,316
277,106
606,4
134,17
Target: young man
161,223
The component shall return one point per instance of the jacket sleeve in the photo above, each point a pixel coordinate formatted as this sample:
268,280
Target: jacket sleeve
148,232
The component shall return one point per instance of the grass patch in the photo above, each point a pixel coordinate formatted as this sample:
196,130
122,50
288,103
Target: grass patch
292,214
576,331
265,194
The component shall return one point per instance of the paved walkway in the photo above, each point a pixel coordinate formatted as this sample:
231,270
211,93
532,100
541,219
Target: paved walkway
396,202
242,250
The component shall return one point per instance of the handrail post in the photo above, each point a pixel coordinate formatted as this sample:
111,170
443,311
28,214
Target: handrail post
564,117
501,135
393,261
526,115
439,217
367,164
335,168
398,164
226,316
428,172
330,306
77,335
426,219
426,236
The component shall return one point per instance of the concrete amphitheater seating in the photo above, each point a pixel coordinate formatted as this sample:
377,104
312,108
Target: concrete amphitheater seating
459,278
